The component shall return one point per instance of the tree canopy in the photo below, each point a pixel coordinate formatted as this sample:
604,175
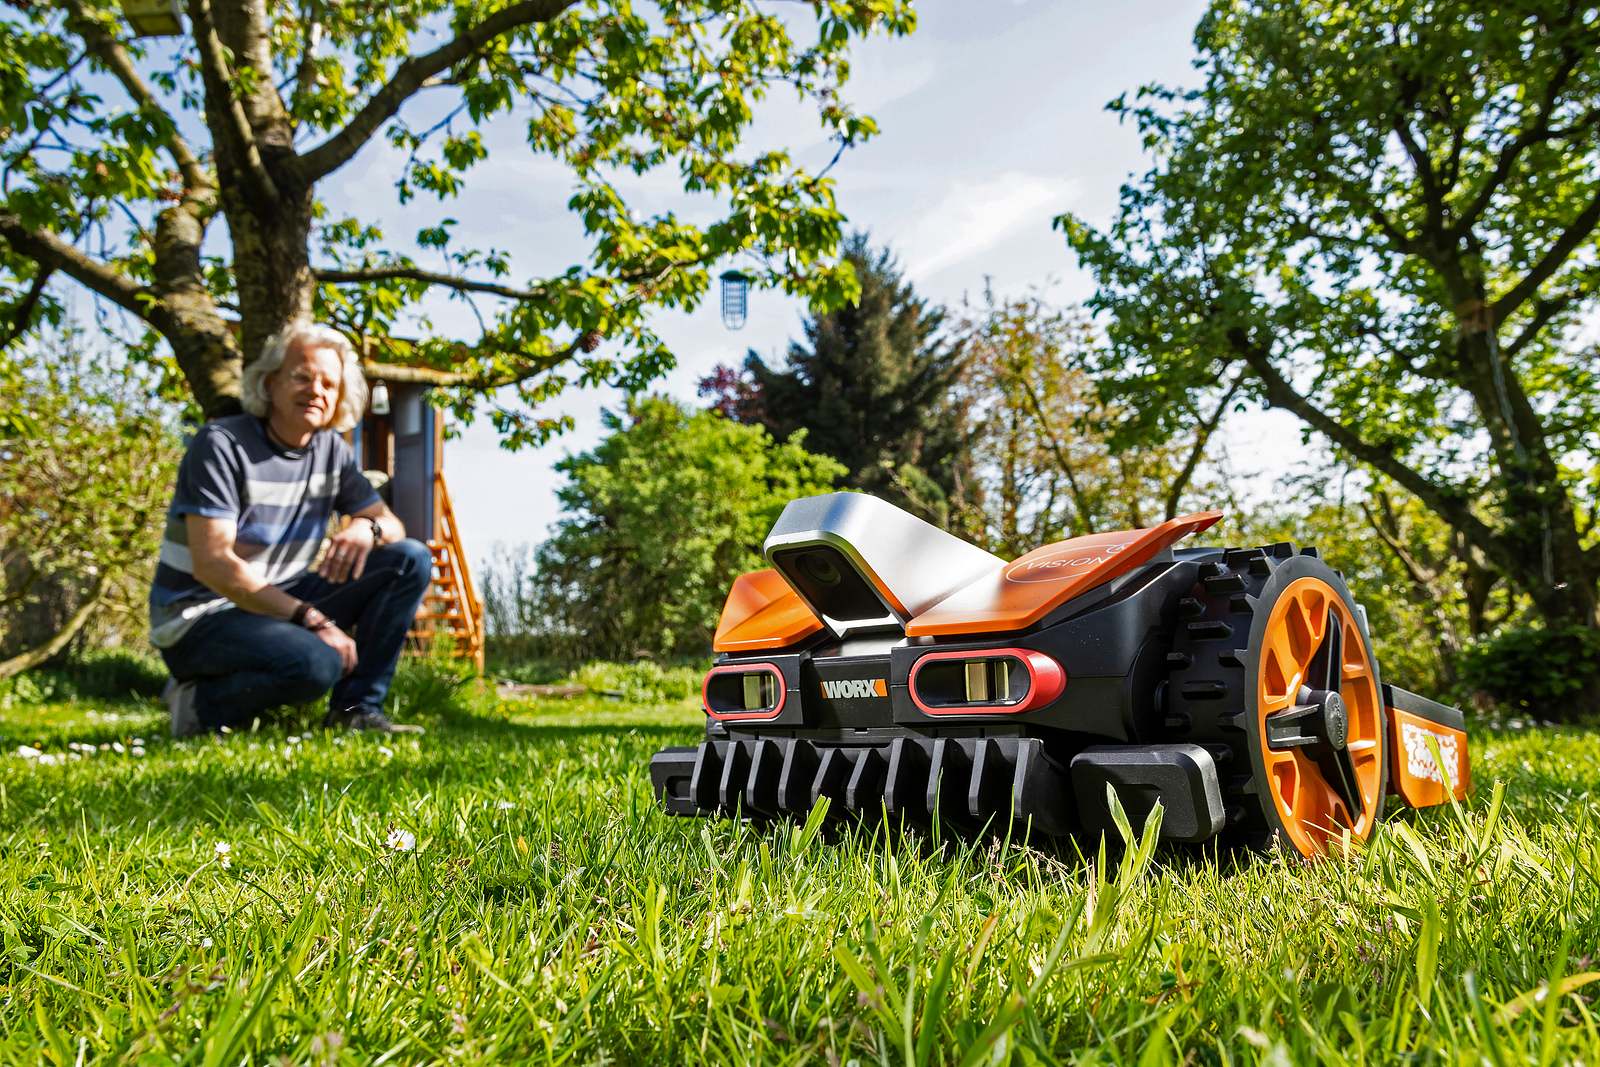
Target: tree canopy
660,519
1385,217
1043,449
124,161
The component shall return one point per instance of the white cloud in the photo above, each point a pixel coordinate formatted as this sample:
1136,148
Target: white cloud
974,216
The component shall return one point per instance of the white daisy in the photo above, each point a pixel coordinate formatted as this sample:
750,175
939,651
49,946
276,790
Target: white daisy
224,853
401,840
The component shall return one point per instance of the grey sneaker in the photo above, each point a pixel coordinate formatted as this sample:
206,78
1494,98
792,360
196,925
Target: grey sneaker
180,704
362,717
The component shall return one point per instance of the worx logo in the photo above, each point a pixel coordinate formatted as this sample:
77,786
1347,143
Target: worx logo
855,688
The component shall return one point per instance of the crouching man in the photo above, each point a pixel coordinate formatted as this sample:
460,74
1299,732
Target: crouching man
242,620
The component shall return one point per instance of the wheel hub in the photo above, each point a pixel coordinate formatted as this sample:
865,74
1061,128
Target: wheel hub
1318,718
1335,721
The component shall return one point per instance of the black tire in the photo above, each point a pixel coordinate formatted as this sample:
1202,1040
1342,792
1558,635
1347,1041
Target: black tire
1211,693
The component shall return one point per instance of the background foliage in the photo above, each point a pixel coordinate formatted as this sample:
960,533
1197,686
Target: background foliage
871,384
661,516
1046,459
1385,220
87,462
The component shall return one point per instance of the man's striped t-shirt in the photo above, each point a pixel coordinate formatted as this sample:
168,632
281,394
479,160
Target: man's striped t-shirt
280,500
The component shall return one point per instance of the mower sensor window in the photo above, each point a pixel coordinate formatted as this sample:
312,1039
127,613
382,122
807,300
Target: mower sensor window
831,585
742,691
986,681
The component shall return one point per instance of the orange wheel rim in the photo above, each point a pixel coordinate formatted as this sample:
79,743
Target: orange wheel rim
1310,807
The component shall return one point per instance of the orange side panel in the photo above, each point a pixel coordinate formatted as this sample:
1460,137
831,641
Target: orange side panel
1415,774
762,612
1023,592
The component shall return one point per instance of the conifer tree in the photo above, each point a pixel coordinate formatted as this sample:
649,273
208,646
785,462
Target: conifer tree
871,384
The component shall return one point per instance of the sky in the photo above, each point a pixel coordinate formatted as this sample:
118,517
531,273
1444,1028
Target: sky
993,122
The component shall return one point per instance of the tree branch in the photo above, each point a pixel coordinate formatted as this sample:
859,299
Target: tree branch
229,111
52,253
412,375
1543,311
428,277
24,309
1202,438
1538,130
109,51
1556,255
305,75
1085,519
1424,579
1281,394
1403,241
1433,197
1387,527
35,656
409,77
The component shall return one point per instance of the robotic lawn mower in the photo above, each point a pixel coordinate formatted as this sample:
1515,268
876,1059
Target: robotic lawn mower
898,670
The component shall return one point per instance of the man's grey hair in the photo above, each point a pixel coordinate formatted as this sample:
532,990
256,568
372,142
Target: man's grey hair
297,336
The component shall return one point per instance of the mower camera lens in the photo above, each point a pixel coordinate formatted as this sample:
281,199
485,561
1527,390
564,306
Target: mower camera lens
820,568
826,578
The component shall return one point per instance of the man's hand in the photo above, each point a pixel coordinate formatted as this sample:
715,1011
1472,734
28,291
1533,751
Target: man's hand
347,552
341,643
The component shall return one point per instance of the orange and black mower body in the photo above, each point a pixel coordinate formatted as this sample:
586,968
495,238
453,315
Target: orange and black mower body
898,670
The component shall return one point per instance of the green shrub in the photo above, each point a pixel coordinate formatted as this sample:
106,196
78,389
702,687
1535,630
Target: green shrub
659,519
116,672
530,658
429,687
643,681
98,674
1550,673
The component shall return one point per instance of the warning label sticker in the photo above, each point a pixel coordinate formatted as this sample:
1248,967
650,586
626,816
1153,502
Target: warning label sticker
1419,758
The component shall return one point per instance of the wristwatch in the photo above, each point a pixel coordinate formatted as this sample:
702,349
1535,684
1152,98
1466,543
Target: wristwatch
377,531
302,617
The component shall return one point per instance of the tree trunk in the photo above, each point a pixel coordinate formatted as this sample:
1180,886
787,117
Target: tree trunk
201,339
1539,527
272,265
267,202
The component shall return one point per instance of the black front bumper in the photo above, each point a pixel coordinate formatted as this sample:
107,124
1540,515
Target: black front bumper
968,782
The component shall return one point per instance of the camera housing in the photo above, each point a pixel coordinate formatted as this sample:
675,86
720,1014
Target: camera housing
862,565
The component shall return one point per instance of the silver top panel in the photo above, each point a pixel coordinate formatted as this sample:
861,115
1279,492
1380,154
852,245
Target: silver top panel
911,564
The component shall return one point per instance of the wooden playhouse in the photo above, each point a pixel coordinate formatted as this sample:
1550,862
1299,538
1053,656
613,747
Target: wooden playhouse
405,443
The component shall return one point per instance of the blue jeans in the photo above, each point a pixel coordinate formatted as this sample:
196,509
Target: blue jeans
245,663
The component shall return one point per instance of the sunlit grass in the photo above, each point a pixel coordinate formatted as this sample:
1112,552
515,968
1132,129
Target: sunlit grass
504,888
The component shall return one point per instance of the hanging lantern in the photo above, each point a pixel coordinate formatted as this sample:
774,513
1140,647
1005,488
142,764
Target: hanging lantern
380,398
735,298
153,18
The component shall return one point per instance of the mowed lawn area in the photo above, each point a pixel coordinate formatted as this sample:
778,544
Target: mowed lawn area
504,889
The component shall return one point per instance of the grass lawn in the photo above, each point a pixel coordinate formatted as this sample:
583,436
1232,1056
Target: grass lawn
504,889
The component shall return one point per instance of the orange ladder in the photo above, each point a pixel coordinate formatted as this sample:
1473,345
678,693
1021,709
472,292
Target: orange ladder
451,606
